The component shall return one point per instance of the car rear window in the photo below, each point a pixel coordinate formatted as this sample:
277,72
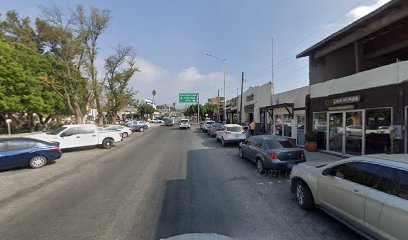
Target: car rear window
279,144
184,121
235,129
211,122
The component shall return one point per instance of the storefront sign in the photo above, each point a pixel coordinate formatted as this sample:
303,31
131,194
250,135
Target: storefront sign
344,107
250,97
344,100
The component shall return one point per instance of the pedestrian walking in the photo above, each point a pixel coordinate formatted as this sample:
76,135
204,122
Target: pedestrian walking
252,127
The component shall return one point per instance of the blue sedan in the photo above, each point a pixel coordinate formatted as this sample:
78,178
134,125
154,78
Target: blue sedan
271,152
23,152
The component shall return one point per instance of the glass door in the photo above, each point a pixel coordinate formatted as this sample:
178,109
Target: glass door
300,133
336,132
354,133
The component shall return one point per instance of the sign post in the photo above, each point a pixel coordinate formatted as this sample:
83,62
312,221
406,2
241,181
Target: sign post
191,98
8,122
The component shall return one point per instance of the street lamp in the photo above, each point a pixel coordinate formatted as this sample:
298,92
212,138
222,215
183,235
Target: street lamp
224,60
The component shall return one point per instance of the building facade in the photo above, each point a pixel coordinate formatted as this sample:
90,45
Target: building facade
359,85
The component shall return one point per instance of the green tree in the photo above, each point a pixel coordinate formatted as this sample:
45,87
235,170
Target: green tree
145,109
90,27
120,67
22,71
211,109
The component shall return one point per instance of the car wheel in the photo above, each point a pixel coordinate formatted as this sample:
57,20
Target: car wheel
223,142
241,155
125,135
107,143
38,161
260,166
304,196
141,129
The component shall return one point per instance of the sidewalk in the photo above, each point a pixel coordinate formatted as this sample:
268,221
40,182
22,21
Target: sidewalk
321,157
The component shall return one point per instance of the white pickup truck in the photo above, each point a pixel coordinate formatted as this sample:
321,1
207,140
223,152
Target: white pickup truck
80,135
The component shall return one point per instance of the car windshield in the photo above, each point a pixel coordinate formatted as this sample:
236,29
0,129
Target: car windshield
210,122
56,131
235,129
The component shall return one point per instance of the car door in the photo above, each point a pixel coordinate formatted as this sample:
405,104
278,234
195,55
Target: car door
245,147
394,215
256,148
383,183
87,136
4,161
341,194
19,152
68,138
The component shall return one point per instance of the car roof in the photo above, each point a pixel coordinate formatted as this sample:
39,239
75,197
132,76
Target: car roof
184,119
267,137
79,125
233,125
402,158
19,138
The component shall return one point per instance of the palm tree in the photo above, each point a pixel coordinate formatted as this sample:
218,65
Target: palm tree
154,94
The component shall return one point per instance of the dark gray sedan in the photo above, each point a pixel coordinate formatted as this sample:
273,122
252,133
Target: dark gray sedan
271,152
213,128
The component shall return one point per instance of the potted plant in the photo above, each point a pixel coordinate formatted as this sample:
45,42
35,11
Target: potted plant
311,141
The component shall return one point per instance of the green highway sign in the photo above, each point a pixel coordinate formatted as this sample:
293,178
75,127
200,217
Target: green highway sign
188,97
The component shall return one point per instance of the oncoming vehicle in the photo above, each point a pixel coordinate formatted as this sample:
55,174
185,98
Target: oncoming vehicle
80,135
271,152
168,121
367,193
231,133
23,152
184,123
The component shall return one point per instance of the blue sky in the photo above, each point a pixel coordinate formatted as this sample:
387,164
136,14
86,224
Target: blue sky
171,39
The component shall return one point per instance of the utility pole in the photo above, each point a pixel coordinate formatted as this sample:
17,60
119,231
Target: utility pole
218,99
272,80
240,102
198,108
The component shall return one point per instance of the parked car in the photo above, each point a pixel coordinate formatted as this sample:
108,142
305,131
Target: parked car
367,193
126,131
140,127
185,123
231,133
136,122
207,124
214,128
80,135
156,121
23,152
271,152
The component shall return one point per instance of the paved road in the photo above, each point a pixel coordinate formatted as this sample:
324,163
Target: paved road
158,184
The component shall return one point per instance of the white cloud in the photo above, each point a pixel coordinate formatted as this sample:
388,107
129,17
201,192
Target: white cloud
363,10
148,71
169,84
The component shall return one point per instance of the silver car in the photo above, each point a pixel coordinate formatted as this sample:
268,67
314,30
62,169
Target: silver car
367,193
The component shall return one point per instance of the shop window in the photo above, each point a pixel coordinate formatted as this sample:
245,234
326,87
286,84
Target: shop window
287,125
377,133
320,127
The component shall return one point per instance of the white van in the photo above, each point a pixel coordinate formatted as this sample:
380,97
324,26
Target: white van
184,123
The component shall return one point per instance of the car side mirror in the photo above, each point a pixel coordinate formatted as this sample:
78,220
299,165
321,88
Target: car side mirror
329,172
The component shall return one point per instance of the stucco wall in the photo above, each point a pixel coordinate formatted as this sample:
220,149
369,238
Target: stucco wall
382,76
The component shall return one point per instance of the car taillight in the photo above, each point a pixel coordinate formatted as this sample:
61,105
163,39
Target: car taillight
227,132
302,155
121,135
57,148
273,156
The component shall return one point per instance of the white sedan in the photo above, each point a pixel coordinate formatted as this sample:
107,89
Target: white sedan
232,133
126,131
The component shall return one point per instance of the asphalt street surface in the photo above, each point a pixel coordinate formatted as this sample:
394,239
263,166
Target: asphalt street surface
158,184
